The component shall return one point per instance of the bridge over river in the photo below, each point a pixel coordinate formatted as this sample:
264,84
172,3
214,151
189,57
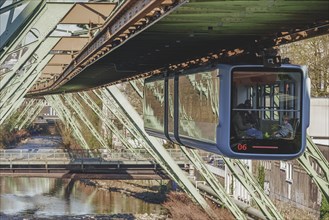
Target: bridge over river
92,164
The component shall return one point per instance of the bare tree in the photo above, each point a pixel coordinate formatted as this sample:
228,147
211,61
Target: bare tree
314,53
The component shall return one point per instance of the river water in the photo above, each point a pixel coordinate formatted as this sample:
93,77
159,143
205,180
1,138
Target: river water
30,198
44,197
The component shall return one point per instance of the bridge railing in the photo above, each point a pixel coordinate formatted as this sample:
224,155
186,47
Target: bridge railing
39,154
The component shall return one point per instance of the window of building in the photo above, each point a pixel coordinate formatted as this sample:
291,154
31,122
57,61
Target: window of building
289,172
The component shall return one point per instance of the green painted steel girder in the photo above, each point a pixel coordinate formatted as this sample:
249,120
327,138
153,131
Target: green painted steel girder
239,170
310,157
67,118
16,94
155,147
210,178
32,114
19,80
14,27
23,114
80,112
105,119
44,23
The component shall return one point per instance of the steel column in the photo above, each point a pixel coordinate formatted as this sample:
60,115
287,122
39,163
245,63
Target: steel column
134,83
210,178
88,100
310,157
14,26
34,111
16,96
76,106
155,147
23,114
239,171
66,116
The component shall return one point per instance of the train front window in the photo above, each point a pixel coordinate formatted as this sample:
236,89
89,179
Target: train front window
265,110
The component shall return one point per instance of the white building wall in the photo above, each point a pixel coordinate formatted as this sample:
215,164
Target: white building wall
319,120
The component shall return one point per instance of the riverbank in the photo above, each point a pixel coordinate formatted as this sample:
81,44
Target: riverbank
177,204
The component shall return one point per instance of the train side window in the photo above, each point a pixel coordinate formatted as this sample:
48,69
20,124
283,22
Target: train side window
198,106
153,107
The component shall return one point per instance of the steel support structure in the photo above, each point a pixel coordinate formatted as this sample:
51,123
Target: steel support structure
76,106
107,121
14,26
134,84
316,166
43,23
156,149
68,118
35,62
32,114
239,171
111,105
23,114
18,86
244,176
210,178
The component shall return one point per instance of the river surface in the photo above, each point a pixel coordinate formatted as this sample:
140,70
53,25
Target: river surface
30,198
44,197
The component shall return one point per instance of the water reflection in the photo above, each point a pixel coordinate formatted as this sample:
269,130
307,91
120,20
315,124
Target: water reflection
57,197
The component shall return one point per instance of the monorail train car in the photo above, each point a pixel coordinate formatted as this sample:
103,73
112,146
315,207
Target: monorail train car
239,111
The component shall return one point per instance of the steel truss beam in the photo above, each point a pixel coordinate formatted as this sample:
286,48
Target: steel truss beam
18,87
76,106
38,62
312,158
32,114
239,170
14,26
67,117
134,83
111,105
210,178
91,103
45,23
23,114
155,148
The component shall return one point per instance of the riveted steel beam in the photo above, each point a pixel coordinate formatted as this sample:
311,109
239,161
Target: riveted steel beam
106,120
32,114
14,95
79,111
312,158
240,171
23,114
155,147
67,117
40,57
43,24
13,27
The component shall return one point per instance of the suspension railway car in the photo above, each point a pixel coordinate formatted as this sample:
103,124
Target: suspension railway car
240,111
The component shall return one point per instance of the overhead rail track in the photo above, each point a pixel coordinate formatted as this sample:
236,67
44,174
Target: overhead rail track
176,35
129,20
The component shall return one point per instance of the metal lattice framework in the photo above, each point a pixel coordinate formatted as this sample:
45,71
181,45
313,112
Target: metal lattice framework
210,178
78,109
32,113
67,117
30,48
319,175
155,148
